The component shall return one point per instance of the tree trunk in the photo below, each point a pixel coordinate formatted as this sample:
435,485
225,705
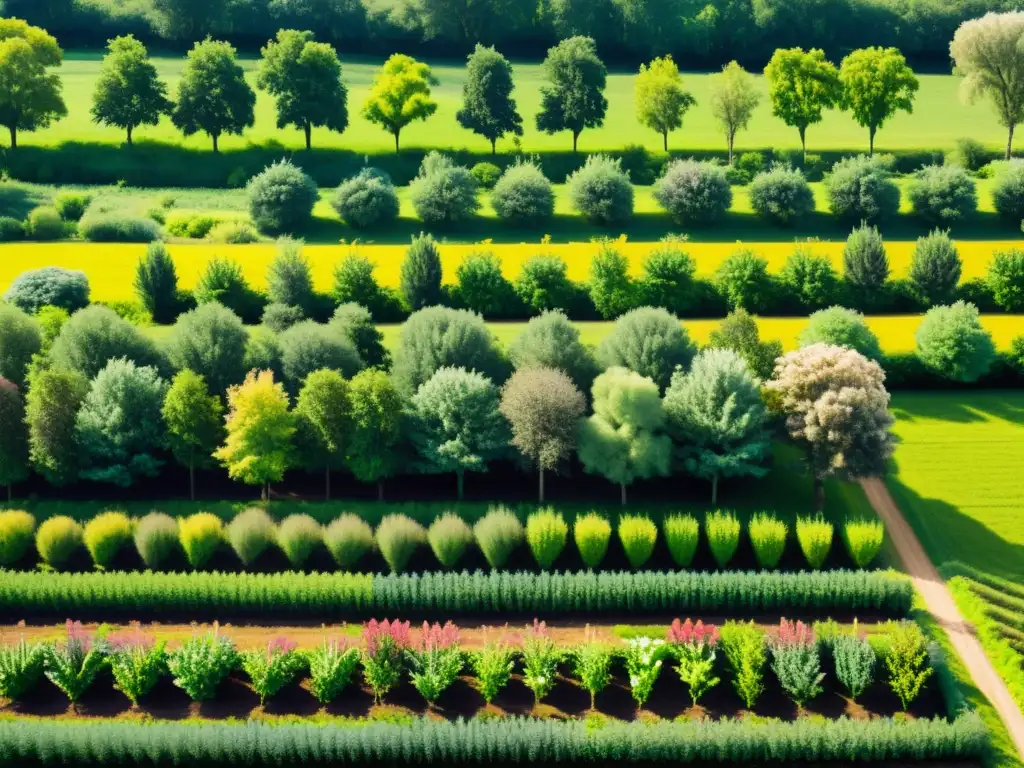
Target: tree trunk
494,147
541,486
327,490
803,143
129,135
192,473
1009,144
14,137
664,140
714,489
459,483
622,493
396,141
575,138
871,141
730,138
309,136
216,148
265,496
380,490
819,495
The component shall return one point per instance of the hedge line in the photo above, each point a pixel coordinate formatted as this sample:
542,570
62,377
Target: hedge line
512,741
207,596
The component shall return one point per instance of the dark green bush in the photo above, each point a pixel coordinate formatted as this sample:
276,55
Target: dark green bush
810,279
954,344
781,195
865,263
96,335
11,230
71,205
20,341
1005,279
366,200
523,196
281,317
356,324
1008,192
861,189
943,194
189,345
118,228
649,341
50,286
45,224
601,191
543,284
694,193
444,193
420,277
310,346
935,268
553,341
354,283
281,199
481,287
224,282
668,278
486,174
743,279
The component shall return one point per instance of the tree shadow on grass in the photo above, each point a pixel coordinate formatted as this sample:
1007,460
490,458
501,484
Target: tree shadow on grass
958,407
17,200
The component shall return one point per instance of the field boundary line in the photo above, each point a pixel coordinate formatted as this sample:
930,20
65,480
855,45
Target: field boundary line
939,602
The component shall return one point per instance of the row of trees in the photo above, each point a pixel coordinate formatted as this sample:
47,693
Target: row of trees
304,76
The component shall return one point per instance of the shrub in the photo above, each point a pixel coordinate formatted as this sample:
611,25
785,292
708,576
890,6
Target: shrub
843,328
863,539
200,536
398,538
45,224
546,532
523,196
189,345
498,533
11,229
746,653
71,206
50,286
861,189
969,154
952,342
298,536
1005,279
722,530
638,536
552,341
281,199
448,536
942,194
156,539
156,284
907,660
768,536
233,233
482,287
865,263
493,667
20,341
355,323
668,278
223,281
201,664
610,286
935,268
118,228
855,663
280,317
796,661
601,191
420,279
366,200
96,335
810,278
693,193
746,167
289,277
592,533
21,668
650,342
486,174
17,529
543,284
348,539
310,346
354,283
193,225
781,195
58,539
743,279
815,537
443,193
1008,192
331,667
250,532
682,533
106,535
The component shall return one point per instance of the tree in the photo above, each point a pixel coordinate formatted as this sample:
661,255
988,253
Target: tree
119,429
309,346
574,97
156,283
739,332
30,96
611,288
734,98
837,409
400,95
213,95
661,101
488,108
258,448
551,340
988,53
356,324
128,92
935,268
623,440
188,20
96,335
717,418
543,408
54,396
457,426
841,327
376,428
209,340
305,78
13,436
876,82
289,277
801,84
20,340
194,421
953,343
648,341
323,415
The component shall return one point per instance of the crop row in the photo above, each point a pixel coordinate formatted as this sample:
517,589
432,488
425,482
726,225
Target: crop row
252,536
702,655
327,597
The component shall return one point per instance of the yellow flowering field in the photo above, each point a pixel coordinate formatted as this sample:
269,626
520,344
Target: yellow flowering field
111,266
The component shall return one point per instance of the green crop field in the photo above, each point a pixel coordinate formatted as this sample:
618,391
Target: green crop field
939,117
958,476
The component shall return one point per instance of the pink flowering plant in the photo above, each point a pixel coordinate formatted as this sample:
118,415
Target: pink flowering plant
384,645
137,662
493,664
435,661
73,665
540,660
270,669
331,667
694,648
796,660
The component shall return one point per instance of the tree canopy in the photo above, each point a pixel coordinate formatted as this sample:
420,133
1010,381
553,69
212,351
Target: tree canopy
323,415
194,421
801,85
574,97
30,96
129,92
661,100
376,427
400,95
876,83
488,108
734,98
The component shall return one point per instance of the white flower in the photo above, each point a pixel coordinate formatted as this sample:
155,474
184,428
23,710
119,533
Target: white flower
540,680
634,681
644,642
657,664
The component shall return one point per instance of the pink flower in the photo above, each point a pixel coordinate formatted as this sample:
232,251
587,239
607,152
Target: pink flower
282,645
693,634
537,631
131,639
375,632
78,636
437,637
795,633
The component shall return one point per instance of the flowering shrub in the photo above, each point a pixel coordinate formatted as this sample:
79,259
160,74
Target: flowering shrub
21,666
643,664
493,666
383,645
331,667
694,648
202,663
796,661
592,665
73,665
272,668
137,662
436,661
540,660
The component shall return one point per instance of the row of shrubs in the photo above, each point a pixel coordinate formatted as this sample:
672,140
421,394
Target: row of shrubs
161,541
433,658
207,596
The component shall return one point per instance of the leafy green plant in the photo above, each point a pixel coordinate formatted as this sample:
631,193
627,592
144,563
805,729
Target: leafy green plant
436,661
449,536
638,536
493,666
643,665
796,661
58,539
348,539
200,535
498,533
592,661
768,536
907,661
746,652
74,664
270,669
723,533
398,538
137,662
21,667
105,535
202,663
855,662
331,667
384,644
815,537
16,532
694,649
156,539
863,539
546,532
592,533
298,536
250,532
682,534
540,660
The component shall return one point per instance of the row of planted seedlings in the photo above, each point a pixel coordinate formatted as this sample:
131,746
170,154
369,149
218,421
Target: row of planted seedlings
745,668
254,541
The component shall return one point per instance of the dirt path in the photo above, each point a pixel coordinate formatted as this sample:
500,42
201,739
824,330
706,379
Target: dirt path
940,604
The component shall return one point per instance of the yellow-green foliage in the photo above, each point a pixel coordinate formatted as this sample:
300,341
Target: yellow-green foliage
768,536
723,534
682,534
16,529
449,535
348,539
156,539
105,536
497,534
250,532
298,536
200,535
815,537
57,540
546,531
592,533
398,538
863,539
638,536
